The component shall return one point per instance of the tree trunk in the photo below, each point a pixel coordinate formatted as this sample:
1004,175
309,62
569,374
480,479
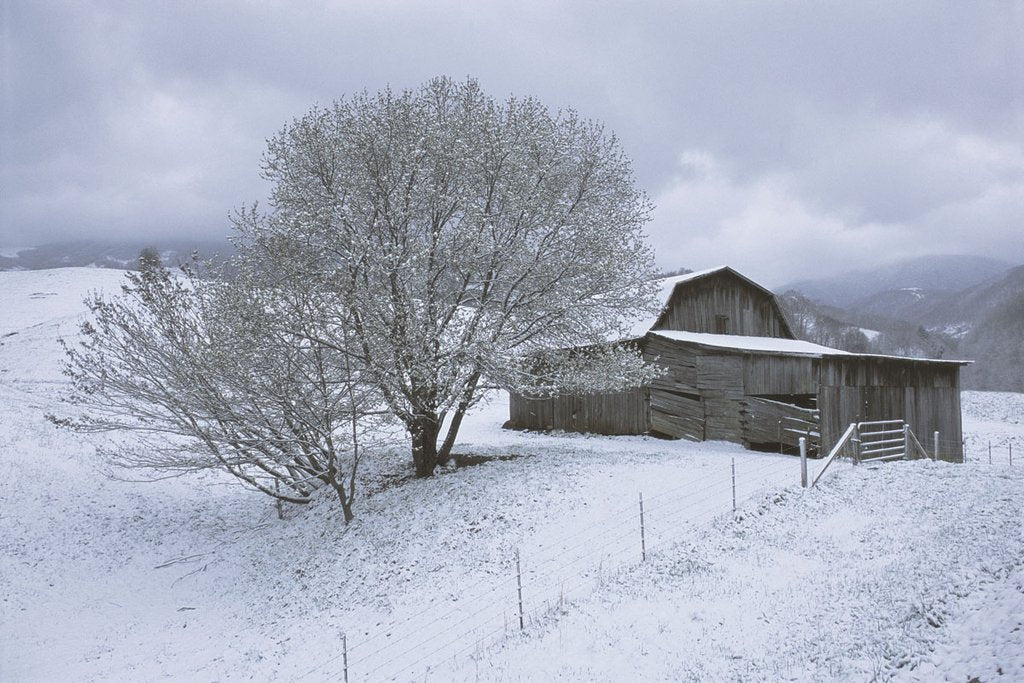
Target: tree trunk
424,444
346,502
343,497
453,429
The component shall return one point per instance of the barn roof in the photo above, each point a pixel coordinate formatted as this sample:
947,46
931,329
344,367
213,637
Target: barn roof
779,345
763,344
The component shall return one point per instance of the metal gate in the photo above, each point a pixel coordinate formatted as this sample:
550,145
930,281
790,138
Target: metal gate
882,440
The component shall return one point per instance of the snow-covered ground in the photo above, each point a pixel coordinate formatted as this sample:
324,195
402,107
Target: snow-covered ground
912,570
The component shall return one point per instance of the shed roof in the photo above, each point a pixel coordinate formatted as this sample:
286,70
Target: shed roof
780,345
763,344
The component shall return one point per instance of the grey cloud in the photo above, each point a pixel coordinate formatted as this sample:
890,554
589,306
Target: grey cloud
125,118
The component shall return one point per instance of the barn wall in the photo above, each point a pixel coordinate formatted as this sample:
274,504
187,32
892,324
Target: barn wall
720,381
676,409
611,414
750,310
925,395
767,421
677,359
706,393
779,375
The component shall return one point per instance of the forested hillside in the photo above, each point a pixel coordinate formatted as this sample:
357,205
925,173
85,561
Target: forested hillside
983,323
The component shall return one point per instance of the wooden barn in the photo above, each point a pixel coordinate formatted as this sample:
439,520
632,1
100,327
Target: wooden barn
734,371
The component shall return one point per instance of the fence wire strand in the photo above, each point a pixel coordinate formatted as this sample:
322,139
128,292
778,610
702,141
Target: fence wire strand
556,571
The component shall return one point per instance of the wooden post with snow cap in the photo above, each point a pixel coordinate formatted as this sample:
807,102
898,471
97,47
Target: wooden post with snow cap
519,589
906,441
803,462
856,444
344,656
734,484
935,448
643,541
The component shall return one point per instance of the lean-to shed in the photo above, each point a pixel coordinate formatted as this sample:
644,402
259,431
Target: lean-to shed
734,371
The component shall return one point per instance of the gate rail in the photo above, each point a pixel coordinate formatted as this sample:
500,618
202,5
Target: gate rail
875,442
882,440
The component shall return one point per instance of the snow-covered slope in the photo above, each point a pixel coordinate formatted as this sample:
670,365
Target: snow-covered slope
107,579
910,571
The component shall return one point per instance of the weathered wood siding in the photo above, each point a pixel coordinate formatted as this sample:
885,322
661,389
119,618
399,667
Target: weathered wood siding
864,388
680,416
704,392
767,421
720,381
748,309
779,375
677,359
676,409
619,413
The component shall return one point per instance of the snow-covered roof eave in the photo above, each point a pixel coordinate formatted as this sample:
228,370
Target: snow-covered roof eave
743,343
780,346
948,361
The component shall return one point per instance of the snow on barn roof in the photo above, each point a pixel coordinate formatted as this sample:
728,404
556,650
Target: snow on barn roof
780,345
765,344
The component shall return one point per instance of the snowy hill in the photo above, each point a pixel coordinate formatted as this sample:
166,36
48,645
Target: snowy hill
909,570
115,255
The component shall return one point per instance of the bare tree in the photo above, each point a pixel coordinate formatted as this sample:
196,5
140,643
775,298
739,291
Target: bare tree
217,373
454,237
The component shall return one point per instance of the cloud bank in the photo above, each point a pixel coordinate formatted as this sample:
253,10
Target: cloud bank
782,138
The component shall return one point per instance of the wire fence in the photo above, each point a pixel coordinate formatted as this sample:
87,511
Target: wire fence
538,579
985,451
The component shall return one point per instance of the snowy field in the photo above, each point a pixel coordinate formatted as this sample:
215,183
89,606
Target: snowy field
912,571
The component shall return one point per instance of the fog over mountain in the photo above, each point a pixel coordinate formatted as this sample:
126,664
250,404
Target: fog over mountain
948,273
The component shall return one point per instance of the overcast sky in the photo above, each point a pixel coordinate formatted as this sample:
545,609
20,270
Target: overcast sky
785,139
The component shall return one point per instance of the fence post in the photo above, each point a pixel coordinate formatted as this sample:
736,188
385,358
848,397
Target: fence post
935,449
734,484
519,589
856,445
803,462
1010,445
643,542
989,452
780,437
344,655
906,441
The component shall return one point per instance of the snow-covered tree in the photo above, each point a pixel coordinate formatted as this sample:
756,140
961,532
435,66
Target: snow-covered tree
453,238
219,372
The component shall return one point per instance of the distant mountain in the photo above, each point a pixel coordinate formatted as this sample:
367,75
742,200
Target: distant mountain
99,254
993,318
858,332
983,322
926,273
908,303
